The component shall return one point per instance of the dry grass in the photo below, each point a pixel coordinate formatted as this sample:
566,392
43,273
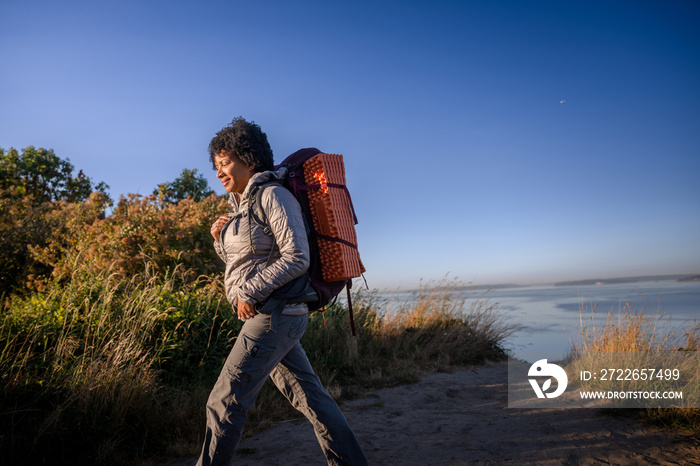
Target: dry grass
441,329
629,337
629,329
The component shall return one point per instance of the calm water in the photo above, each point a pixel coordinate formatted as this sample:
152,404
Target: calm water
551,316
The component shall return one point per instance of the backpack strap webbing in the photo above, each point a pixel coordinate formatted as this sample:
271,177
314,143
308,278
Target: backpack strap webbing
352,319
255,209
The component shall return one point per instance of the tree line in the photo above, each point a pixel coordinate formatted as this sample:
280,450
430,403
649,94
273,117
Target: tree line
54,223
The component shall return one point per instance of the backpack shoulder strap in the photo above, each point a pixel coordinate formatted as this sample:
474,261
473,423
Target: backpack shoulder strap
255,208
258,215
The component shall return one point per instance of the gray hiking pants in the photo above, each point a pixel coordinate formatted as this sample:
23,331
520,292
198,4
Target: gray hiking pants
260,351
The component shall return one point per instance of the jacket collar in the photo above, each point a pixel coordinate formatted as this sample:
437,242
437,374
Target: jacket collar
256,180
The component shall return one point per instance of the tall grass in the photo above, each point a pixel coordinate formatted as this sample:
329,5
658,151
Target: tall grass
440,330
83,365
651,342
632,329
110,369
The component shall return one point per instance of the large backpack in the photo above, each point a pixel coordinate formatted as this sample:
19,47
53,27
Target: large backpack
317,181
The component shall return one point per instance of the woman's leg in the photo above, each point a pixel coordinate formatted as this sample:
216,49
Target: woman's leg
254,355
296,379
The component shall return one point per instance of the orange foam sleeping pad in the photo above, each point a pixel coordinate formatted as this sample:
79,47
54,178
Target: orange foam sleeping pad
332,215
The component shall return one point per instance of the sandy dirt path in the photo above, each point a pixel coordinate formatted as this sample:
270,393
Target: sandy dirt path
462,418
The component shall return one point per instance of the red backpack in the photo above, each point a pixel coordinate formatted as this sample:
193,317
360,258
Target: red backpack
317,181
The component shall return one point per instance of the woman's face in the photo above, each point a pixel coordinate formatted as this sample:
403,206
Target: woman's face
232,172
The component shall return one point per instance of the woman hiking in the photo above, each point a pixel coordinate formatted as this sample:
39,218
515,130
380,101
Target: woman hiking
260,260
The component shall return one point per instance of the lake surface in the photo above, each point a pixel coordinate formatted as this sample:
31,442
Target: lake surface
551,316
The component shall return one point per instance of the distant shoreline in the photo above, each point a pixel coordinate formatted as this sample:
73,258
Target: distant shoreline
586,282
644,278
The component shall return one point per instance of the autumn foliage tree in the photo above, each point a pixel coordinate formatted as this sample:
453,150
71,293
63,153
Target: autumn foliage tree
141,230
34,184
54,224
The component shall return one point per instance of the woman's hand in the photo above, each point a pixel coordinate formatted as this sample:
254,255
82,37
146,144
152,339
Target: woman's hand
245,310
217,227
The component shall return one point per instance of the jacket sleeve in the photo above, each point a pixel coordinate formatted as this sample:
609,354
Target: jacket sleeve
287,224
219,248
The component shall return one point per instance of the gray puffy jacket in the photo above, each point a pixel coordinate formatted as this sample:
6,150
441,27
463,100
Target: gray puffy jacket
245,245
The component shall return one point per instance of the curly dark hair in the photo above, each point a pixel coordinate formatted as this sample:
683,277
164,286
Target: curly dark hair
246,141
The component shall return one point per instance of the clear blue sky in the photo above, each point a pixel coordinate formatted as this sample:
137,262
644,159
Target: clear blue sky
497,141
